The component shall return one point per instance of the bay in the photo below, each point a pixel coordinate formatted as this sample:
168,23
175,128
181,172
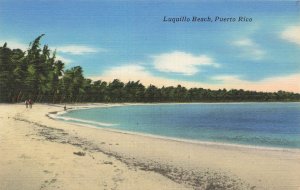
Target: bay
256,124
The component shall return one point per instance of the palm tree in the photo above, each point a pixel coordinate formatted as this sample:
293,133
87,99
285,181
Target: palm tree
73,83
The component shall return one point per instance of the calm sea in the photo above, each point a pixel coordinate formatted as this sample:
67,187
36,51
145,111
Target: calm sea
259,124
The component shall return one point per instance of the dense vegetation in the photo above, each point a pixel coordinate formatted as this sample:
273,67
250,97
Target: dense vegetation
37,74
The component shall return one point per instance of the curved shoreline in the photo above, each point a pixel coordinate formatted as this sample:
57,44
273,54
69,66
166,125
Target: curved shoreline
199,142
53,150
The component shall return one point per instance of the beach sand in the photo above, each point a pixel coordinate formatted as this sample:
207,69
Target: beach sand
37,152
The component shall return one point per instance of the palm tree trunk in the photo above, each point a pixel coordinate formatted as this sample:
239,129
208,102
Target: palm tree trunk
37,97
20,93
22,97
41,97
53,99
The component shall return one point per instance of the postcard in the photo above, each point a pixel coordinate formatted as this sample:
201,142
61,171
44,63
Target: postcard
123,95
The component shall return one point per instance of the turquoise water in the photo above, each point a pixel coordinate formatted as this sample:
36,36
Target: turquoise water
259,124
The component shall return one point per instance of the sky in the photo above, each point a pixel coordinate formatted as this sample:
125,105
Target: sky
130,40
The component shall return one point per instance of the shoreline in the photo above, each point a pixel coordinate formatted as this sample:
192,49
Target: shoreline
52,153
201,142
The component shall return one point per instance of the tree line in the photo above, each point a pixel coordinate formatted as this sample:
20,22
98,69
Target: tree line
36,74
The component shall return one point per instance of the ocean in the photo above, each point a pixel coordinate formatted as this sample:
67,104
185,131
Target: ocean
254,124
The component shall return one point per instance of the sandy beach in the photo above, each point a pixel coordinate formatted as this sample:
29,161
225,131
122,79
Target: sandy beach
38,152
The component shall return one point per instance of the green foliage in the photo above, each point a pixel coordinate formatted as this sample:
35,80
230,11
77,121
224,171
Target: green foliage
36,74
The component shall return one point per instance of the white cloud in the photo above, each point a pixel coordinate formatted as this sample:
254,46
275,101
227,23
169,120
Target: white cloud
249,48
63,59
292,34
225,78
122,72
78,49
181,62
14,44
244,42
134,72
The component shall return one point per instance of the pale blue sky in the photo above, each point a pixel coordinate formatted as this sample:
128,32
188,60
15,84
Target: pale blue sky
130,41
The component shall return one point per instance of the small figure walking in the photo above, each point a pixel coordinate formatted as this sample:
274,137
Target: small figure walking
65,107
26,103
30,103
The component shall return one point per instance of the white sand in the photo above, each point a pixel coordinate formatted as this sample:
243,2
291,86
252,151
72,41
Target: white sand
37,152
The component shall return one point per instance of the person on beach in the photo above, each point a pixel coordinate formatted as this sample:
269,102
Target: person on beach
65,107
26,103
30,103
